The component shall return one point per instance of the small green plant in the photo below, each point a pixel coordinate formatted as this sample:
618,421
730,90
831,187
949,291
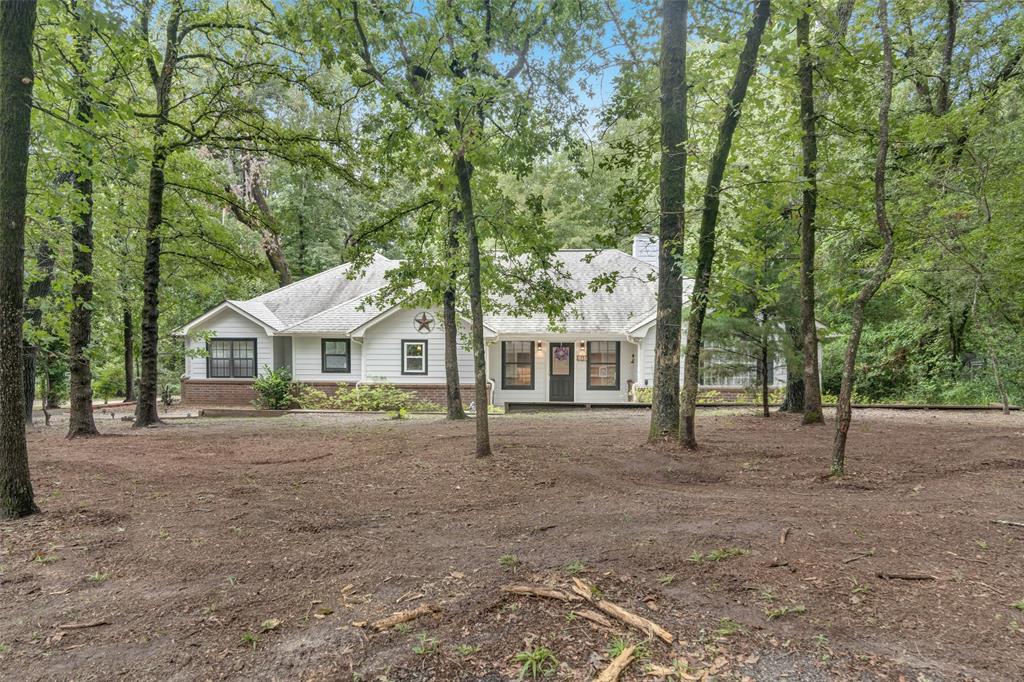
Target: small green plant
466,650
620,644
400,413
575,567
98,577
537,662
727,628
509,562
250,639
5,649
274,389
667,579
720,554
772,614
426,646
44,558
167,394
981,544
403,628
1019,605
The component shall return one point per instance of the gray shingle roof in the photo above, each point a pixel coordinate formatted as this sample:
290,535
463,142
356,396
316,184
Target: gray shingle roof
313,295
330,302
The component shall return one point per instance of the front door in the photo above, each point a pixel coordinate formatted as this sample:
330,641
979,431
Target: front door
561,381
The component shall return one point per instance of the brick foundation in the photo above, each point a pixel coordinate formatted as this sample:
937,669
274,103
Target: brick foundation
240,391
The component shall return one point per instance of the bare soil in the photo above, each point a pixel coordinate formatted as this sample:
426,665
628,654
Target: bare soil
247,548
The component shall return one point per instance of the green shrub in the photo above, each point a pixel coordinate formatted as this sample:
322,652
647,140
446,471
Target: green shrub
643,394
275,389
108,381
367,398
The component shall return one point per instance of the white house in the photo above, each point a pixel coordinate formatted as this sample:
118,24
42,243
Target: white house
326,330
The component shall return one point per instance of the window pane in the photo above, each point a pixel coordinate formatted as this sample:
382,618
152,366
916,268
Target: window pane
220,349
336,347
414,364
413,350
602,375
338,363
561,359
244,349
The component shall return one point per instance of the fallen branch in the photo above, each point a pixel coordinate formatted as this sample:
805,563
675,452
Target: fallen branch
784,536
82,626
1002,522
905,576
615,611
540,591
404,616
595,617
618,664
858,557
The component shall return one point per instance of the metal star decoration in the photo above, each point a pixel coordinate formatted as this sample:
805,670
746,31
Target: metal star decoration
424,322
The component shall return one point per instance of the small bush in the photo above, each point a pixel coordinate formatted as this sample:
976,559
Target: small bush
643,394
275,389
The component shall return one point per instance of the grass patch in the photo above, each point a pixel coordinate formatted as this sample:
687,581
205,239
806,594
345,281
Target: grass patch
250,639
720,554
727,627
466,650
620,644
782,611
98,577
537,662
426,646
44,558
1019,605
509,562
575,567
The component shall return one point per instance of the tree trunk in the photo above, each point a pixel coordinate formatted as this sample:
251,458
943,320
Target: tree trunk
808,225
672,193
37,290
881,270
80,418
127,332
145,409
1004,398
464,171
17,24
942,101
793,400
709,220
265,224
763,360
451,328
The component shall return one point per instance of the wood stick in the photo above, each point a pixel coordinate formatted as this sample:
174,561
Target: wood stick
1008,523
404,616
615,611
82,626
905,576
785,534
618,664
540,591
595,617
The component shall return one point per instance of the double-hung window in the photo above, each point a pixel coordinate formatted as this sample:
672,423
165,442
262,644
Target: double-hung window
517,365
603,365
335,356
231,359
414,357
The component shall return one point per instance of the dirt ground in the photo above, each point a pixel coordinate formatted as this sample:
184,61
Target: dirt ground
247,548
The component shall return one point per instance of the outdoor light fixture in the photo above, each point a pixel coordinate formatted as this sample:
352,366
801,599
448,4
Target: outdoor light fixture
581,354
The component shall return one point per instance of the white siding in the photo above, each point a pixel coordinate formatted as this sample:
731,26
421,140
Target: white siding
382,351
231,325
309,361
628,357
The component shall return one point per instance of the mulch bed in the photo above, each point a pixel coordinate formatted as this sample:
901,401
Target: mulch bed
247,548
